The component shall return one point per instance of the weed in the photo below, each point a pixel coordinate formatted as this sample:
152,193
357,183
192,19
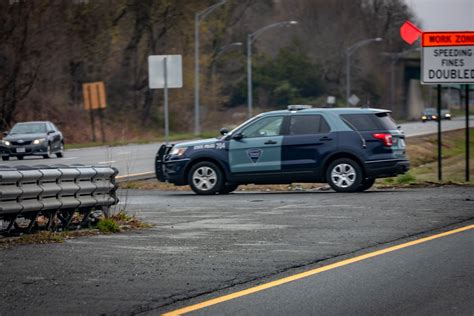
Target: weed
405,178
108,225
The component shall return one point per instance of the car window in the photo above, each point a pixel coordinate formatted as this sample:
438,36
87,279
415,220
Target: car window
267,126
307,125
29,128
370,122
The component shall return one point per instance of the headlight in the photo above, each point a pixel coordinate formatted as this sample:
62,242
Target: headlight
423,117
434,117
39,141
6,142
178,151
447,115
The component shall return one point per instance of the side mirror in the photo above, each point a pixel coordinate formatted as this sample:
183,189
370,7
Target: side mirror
50,132
5,133
238,136
224,131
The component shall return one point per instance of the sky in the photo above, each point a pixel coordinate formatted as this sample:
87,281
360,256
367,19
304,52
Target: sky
444,15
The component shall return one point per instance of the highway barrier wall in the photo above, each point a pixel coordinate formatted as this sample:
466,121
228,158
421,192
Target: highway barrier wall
54,197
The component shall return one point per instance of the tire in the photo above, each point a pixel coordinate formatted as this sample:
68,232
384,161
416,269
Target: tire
19,157
205,178
48,154
344,175
60,154
5,158
366,184
227,188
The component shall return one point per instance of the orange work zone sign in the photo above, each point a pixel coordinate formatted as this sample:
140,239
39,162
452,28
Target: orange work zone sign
94,96
431,39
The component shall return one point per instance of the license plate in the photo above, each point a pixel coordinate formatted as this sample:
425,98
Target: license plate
401,143
20,150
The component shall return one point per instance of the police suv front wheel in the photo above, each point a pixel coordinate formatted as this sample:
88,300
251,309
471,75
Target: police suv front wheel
205,178
344,175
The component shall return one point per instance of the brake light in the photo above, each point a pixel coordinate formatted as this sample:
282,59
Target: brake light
386,138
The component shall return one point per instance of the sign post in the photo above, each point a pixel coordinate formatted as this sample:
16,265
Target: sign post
447,57
466,111
165,71
95,99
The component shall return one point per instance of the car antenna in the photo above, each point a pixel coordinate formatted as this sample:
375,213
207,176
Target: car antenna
364,143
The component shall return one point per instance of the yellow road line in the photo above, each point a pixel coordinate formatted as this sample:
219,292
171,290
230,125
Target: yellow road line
311,272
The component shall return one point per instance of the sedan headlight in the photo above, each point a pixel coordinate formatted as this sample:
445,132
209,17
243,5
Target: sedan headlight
447,115
178,151
6,142
39,141
424,117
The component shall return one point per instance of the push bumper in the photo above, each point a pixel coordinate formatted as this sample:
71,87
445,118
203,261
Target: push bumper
386,168
170,170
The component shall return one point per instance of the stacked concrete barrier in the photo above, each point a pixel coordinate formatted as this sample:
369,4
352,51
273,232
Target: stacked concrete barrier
57,193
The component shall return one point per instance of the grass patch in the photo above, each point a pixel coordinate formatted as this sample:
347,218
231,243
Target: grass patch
108,225
422,152
114,224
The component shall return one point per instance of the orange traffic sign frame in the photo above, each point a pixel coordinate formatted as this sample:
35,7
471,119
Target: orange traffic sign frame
432,39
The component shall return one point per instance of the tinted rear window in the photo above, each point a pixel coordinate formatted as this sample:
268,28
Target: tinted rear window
307,125
370,122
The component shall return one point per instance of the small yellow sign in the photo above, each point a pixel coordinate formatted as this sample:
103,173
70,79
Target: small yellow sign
94,95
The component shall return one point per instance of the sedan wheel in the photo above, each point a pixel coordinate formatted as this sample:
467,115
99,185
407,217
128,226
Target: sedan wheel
205,178
60,153
344,175
48,154
5,158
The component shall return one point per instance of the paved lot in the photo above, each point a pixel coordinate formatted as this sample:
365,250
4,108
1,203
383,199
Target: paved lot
203,244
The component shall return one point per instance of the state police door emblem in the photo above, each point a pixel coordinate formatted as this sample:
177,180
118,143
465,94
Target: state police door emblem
254,154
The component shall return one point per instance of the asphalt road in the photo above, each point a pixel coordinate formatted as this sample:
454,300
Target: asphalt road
137,161
433,278
203,245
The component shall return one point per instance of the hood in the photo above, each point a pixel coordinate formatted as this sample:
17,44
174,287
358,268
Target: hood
27,137
198,142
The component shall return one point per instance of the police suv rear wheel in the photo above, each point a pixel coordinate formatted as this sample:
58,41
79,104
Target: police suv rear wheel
205,178
226,189
366,184
344,175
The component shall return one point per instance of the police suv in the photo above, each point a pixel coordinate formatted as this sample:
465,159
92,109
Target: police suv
346,147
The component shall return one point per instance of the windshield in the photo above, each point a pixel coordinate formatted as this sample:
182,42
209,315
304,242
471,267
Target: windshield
243,124
430,111
31,128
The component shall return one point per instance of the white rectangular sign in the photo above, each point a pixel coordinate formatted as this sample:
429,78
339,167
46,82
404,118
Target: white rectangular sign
447,57
448,64
156,71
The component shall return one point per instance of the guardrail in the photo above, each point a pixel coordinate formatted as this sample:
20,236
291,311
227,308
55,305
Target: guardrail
57,194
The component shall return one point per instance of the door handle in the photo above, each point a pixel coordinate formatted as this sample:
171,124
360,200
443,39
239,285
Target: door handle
270,142
325,139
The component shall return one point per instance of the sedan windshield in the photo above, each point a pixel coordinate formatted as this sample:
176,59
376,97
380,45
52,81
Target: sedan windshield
32,128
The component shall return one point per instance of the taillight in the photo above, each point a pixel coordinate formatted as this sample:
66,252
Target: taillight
386,138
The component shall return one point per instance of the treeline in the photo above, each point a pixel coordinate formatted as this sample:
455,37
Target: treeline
49,48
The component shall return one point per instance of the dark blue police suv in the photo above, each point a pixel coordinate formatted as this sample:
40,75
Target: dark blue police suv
346,147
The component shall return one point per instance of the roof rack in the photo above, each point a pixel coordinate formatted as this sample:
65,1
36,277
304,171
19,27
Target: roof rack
298,107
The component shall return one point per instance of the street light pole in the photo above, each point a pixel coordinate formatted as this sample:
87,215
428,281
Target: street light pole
250,38
349,52
197,21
